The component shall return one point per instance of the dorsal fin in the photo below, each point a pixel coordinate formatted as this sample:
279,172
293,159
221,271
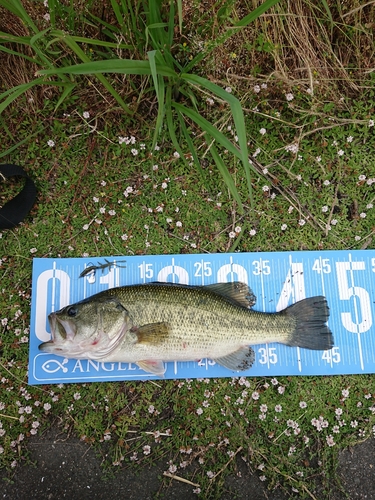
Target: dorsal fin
237,292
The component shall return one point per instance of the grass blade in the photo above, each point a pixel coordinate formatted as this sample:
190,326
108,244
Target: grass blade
252,16
18,54
207,127
123,66
238,117
72,44
171,124
228,179
216,135
15,92
189,142
16,7
160,94
67,91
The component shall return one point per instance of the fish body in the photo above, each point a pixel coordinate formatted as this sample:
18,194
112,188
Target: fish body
155,322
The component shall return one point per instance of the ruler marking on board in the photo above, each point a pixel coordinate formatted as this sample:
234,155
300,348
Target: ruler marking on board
352,267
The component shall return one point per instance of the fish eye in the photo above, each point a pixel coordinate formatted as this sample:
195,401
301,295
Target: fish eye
71,311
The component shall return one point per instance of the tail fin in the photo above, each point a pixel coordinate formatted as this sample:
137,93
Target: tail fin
311,331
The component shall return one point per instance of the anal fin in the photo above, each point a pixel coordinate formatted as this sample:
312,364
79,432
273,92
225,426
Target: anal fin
239,360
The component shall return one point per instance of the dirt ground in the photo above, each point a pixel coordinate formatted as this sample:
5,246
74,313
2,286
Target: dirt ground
65,467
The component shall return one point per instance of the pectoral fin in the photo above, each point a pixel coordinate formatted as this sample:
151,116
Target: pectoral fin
239,360
152,334
154,367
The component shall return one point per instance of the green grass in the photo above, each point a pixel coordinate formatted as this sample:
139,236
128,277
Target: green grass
98,197
207,421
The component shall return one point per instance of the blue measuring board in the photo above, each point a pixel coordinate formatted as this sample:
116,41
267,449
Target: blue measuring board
278,279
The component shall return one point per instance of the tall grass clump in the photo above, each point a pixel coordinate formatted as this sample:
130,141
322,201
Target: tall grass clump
146,31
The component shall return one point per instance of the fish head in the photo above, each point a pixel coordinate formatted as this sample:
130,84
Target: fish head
89,329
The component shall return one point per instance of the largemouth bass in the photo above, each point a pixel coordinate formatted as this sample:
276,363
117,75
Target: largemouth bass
155,322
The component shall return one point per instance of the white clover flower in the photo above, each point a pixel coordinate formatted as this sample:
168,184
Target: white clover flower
289,96
340,152
349,139
252,232
293,148
262,131
325,208
228,89
256,89
86,114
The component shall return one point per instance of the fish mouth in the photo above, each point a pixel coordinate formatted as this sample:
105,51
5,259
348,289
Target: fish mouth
61,330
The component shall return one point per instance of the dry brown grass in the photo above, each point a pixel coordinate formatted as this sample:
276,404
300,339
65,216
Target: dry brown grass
299,42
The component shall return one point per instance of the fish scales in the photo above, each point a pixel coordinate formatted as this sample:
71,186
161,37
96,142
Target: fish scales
201,324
